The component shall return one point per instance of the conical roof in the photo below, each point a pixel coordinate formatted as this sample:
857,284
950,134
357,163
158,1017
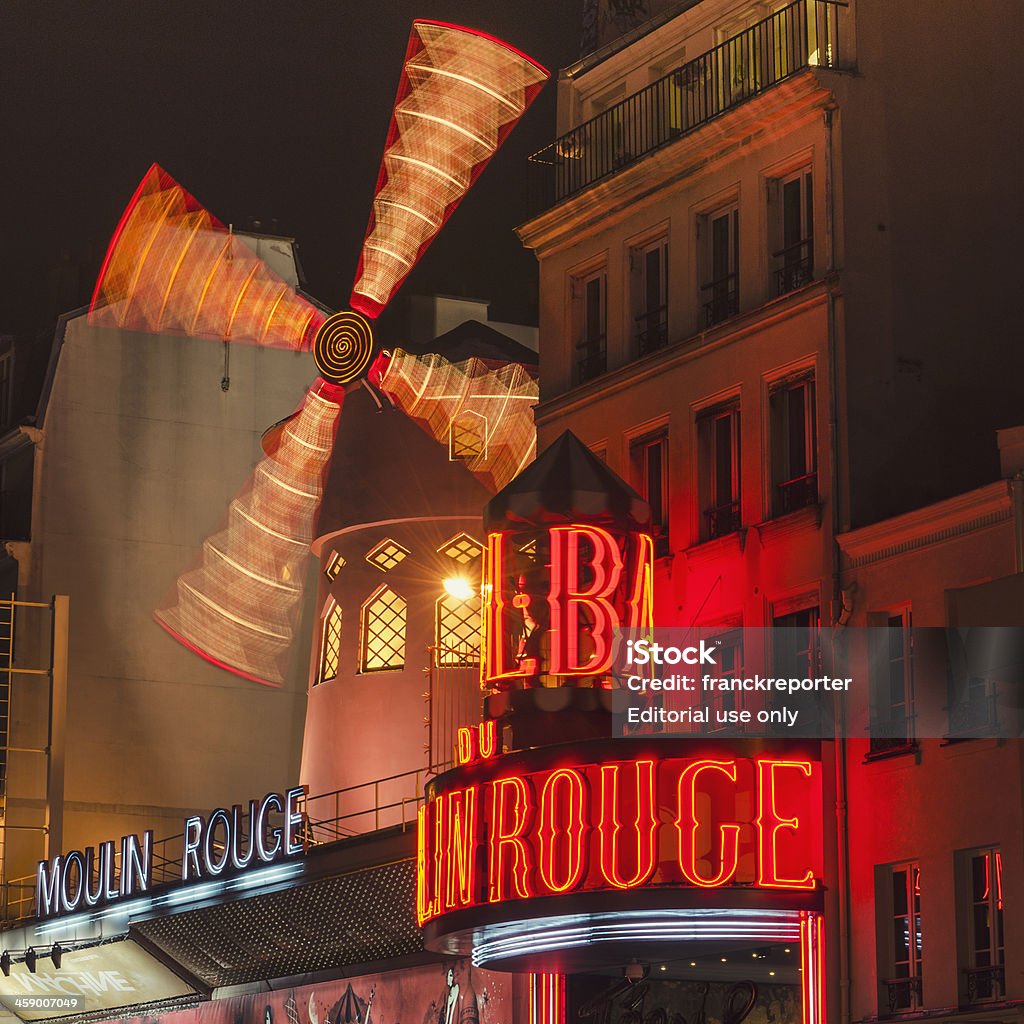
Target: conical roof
567,483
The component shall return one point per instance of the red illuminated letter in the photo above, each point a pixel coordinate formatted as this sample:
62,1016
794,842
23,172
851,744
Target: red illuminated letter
770,823
507,826
497,662
460,891
641,597
563,812
428,881
642,828
689,824
567,599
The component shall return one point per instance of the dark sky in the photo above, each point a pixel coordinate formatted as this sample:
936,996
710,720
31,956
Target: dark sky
267,110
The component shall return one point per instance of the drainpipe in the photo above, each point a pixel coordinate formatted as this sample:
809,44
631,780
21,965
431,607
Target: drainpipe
1017,500
845,599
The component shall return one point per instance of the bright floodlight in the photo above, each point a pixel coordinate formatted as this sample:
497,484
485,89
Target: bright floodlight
459,588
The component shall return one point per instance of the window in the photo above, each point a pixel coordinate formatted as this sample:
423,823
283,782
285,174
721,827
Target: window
467,437
794,445
334,565
720,294
457,633
387,554
461,548
718,455
980,887
330,644
892,684
383,632
649,285
793,215
649,457
590,302
796,643
898,903
728,665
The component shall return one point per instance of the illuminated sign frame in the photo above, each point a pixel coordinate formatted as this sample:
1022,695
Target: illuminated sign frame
225,842
599,817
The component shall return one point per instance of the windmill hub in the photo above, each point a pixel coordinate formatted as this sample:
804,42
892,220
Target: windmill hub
343,348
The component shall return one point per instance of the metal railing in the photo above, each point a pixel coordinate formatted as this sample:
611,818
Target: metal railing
891,735
592,361
341,814
803,34
797,267
903,993
651,330
793,495
725,299
344,813
723,520
985,982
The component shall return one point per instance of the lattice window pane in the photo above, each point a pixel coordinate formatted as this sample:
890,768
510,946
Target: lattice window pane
330,646
462,548
387,554
468,437
458,630
334,566
383,632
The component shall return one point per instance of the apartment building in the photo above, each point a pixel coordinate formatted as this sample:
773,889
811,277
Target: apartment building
755,308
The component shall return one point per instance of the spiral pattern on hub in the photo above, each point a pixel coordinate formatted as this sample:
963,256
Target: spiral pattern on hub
343,348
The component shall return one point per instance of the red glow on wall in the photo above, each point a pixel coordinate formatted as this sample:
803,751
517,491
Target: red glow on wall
595,826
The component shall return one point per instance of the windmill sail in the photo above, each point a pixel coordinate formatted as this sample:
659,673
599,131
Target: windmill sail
173,268
237,607
460,94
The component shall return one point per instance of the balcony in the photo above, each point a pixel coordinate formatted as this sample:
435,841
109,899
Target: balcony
651,330
801,35
797,267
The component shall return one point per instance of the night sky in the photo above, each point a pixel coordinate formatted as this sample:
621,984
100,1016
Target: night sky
276,112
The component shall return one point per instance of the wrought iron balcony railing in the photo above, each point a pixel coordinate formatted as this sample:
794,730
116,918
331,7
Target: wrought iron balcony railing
903,993
797,267
724,301
795,494
723,520
591,360
801,35
985,982
652,330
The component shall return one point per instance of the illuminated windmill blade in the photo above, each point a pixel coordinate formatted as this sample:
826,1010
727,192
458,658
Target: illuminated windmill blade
173,268
237,607
482,412
459,96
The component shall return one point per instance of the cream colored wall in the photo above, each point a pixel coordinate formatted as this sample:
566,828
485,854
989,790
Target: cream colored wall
142,453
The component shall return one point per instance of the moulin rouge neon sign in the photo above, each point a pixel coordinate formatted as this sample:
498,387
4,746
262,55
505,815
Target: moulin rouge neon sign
596,584
706,822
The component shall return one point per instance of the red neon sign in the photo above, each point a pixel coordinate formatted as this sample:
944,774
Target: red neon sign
691,822
597,584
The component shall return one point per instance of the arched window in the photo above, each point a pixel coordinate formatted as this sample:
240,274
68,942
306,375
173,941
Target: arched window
383,632
457,633
330,644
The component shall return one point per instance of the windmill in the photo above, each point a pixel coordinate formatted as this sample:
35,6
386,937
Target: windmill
173,268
